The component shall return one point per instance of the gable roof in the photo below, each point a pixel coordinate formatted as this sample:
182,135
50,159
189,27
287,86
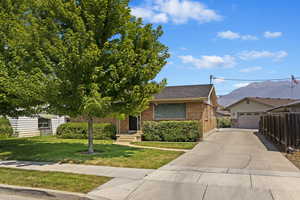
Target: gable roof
271,102
185,92
295,103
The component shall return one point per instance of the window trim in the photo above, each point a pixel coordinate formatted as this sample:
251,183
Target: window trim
43,127
161,119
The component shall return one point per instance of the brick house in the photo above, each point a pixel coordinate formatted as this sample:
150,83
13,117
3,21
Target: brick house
188,102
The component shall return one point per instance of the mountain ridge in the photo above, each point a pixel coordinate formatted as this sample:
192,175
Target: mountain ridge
267,89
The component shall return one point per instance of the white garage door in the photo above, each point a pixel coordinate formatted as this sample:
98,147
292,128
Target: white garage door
248,120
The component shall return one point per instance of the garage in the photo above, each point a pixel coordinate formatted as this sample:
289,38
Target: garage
246,112
248,120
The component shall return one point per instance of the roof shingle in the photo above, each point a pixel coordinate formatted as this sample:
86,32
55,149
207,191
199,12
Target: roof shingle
271,102
184,91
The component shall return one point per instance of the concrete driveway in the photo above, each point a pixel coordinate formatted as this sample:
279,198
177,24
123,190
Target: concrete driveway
228,165
235,149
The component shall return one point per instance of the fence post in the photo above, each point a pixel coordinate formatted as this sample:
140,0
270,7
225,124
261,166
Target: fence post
297,130
286,130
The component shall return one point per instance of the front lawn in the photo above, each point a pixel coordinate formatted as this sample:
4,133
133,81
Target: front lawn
52,149
171,145
51,180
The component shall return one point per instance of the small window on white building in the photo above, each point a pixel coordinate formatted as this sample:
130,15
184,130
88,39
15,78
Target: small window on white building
44,123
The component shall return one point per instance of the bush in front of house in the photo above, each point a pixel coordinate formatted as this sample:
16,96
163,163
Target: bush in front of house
5,128
224,122
172,131
76,130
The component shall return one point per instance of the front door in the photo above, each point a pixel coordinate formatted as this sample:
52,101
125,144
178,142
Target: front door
134,123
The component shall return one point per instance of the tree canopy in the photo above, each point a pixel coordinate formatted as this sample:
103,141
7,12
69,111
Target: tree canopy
104,59
93,56
22,66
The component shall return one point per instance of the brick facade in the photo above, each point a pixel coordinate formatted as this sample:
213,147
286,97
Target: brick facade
203,112
198,110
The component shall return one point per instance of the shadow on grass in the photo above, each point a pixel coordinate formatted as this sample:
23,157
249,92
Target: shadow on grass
45,150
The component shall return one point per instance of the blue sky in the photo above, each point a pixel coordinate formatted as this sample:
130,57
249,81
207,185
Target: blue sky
242,39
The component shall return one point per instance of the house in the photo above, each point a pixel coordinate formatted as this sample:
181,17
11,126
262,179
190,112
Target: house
290,107
223,114
188,102
246,112
42,124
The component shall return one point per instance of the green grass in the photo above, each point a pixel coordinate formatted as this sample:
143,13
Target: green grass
51,180
52,149
171,145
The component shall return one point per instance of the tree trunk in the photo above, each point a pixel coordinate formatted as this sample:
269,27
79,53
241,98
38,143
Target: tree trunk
90,135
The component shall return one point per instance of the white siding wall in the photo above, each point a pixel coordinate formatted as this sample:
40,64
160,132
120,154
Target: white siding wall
245,107
55,122
25,126
295,108
28,126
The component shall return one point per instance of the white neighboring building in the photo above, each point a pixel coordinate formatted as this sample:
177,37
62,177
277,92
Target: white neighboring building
43,124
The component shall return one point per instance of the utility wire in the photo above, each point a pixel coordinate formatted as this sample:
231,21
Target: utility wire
252,80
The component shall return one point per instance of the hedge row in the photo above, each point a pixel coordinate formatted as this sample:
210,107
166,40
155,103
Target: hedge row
224,122
75,130
5,128
172,131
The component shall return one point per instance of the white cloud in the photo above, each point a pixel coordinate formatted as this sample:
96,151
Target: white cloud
228,35
160,18
208,62
249,37
149,14
252,55
219,80
239,85
177,11
251,69
269,34
233,35
183,49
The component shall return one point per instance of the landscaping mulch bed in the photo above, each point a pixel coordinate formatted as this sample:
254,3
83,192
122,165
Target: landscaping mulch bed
294,158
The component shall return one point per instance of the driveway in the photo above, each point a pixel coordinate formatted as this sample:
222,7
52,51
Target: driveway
235,149
230,164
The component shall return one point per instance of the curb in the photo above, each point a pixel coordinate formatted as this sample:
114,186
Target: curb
40,193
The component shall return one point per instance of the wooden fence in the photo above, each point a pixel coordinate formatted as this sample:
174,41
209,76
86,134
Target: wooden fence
282,128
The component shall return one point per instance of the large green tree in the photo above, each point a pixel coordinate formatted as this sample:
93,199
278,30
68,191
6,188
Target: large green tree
22,67
104,60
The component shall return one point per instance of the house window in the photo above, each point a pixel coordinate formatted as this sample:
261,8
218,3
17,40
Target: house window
170,111
44,123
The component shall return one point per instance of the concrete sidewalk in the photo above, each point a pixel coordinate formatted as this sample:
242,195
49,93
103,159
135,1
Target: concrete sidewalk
148,147
116,172
228,165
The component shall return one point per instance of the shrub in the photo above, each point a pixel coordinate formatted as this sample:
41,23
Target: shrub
224,122
75,130
5,128
172,131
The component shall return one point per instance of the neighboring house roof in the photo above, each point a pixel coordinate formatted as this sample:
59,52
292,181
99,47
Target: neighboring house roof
47,116
295,103
185,92
270,102
223,113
